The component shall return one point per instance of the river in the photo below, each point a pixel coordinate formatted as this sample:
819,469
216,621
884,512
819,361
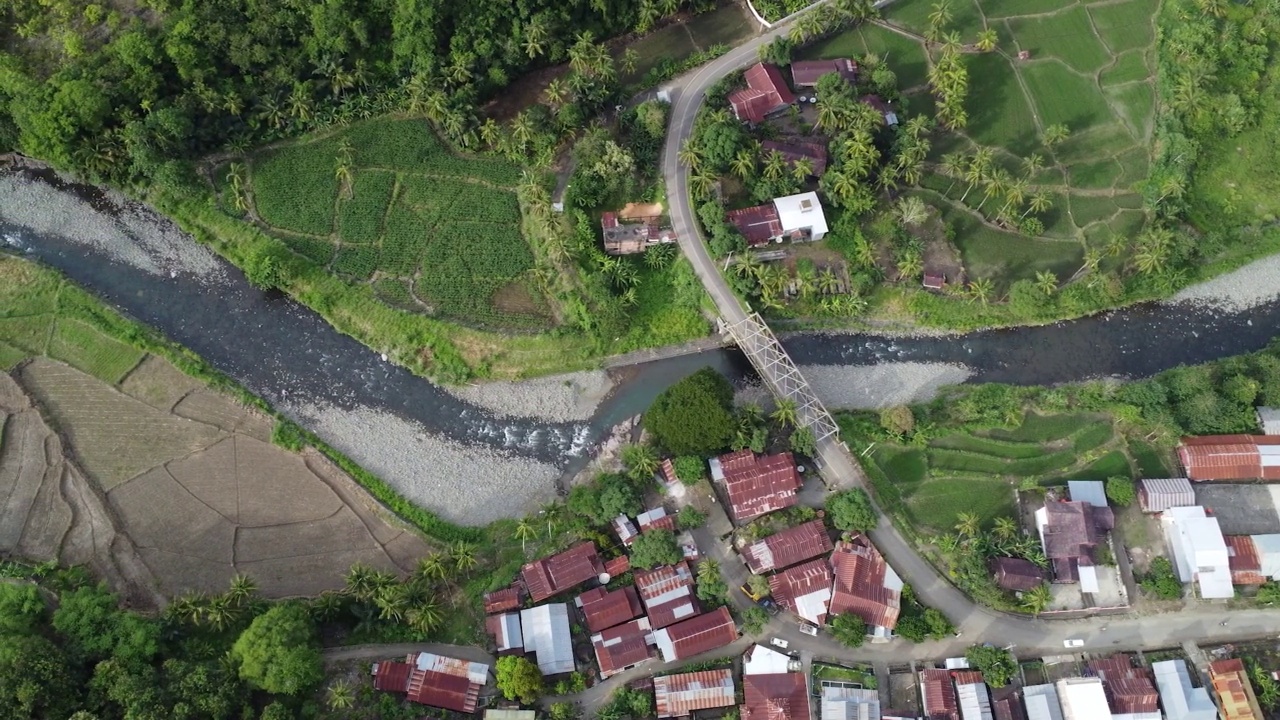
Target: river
287,354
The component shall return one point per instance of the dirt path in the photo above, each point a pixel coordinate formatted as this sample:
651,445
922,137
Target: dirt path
399,650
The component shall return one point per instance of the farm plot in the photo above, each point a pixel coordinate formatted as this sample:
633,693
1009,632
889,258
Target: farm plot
979,471
429,231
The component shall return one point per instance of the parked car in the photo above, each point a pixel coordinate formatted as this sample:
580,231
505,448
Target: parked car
779,642
809,629
769,605
1073,643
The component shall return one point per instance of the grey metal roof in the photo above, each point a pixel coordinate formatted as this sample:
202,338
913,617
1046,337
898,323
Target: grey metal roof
1042,702
546,634
1090,491
1160,494
1180,700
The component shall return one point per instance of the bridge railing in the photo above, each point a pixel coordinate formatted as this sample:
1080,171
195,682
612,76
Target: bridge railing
779,371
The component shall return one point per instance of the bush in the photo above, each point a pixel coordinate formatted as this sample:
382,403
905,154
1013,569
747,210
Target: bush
518,679
753,620
996,665
656,547
690,517
1161,581
898,420
690,469
849,629
279,652
851,510
1121,491
693,417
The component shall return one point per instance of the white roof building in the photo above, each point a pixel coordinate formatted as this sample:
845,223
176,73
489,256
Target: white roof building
1268,547
760,660
1181,701
1199,552
1090,491
975,701
1269,420
546,635
849,703
1083,699
801,212
1160,494
1042,702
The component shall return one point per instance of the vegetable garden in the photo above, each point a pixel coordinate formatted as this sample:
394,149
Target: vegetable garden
385,203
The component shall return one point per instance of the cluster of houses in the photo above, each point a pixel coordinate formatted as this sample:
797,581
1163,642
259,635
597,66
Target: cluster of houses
1111,688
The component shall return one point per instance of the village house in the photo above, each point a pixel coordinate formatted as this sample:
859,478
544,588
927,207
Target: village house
1253,559
680,695
696,635
546,635
1016,574
553,575
667,594
766,93
1235,692
971,692
793,152
623,647
877,103
786,548
506,634
1198,550
1006,703
1160,494
805,73
804,590
1083,699
795,217
1042,702
1069,533
1230,457
504,600
938,696
756,485
435,680
770,690
1180,699
603,609
1130,691
866,586
627,236
1269,420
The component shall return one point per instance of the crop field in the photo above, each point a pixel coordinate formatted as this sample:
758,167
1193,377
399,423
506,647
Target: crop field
903,54
428,230
979,472
1088,68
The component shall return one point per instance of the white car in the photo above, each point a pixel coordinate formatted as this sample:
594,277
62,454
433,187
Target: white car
780,643
808,629
1073,643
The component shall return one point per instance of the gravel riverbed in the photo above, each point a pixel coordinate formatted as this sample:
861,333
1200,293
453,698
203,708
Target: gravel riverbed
873,387
465,485
123,230
558,398
1241,289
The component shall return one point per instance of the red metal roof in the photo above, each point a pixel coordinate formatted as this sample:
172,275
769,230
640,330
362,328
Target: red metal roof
758,224
669,471
1006,704
934,282
758,485
1243,559
859,585
939,698
775,696
1016,573
805,73
816,153
1227,457
667,593
617,566
679,695
1129,689
766,92
618,648
1233,688
500,601
793,545
558,573
605,609
391,675
799,581
698,634
609,220
445,683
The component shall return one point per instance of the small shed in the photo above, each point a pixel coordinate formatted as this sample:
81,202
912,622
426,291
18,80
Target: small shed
1090,491
1160,494
934,282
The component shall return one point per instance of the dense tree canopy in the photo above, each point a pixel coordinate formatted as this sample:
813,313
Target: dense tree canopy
996,664
279,651
654,548
849,629
519,679
851,510
693,417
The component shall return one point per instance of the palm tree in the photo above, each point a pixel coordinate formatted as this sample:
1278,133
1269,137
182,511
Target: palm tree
629,59
1092,259
939,15
1006,528
1054,135
424,616
912,210
1015,193
362,581
1171,185
524,531
775,166
522,128
242,589
787,413
689,156
555,92
188,608
1047,282
490,132
987,40
640,460
391,602
977,169
747,265
953,166
1037,599
535,34
909,265
325,606
1038,202
981,289
220,612
968,524
340,696
464,556
841,186
700,185
708,571
828,283
1032,164
802,169
743,164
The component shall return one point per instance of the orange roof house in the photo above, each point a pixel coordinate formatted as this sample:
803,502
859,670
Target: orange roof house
1231,457
1235,693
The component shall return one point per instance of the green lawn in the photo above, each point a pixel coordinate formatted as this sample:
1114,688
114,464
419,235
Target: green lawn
966,16
1086,209
1007,257
1099,174
1134,103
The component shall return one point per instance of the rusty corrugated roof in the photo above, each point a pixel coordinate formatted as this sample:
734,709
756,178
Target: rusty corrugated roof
784,549
604,609
939,698
859,585
679,695
756,485
555,574
1232,685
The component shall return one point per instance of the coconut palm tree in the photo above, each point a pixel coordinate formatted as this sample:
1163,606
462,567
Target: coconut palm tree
555,92
1171,186
1015,192
939,16
787,413
689,155
629,59
423,616
996,182
1038,202
1037,599
747,266
976,171
802,169
987,40
391,603
535,34
522,128
1006,528
912,210
968,524
775,166
1031,165
828,283
743,164
909,265
708,571
700,185
640,460
1047,282
981,289
325,606
524,531
340,696
464,555
1054,135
